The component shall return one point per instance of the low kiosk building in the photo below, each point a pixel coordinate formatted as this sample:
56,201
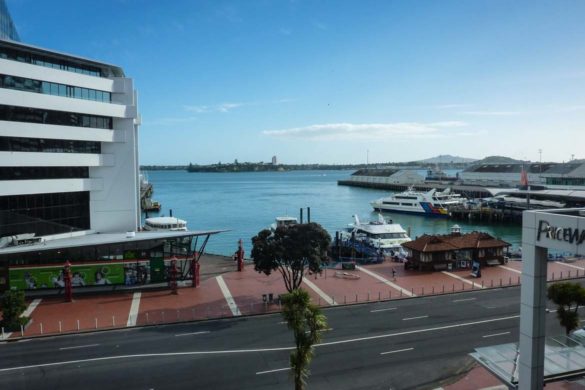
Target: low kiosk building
454,251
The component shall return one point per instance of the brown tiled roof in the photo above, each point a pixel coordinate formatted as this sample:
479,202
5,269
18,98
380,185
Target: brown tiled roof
449,242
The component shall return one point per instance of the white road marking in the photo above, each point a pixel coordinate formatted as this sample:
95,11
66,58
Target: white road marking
269,371
510,269
238,351
386,281
495,334
78,347
379,310
570,265
31,307
398,350
319,292
228,296
464,300
192,333
133,315
475,285
414,318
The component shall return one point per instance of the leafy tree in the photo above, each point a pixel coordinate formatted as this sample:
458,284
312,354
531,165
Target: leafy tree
307,322
291,250
568,297
12,305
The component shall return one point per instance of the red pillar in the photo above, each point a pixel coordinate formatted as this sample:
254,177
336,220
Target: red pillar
67,282
173,277
195,267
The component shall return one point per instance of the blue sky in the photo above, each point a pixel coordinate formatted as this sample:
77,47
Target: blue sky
334,81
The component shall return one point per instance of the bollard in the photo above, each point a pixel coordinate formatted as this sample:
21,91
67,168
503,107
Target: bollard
492,283
113,321
60,327
147,318
333,300
443,289
518,279
400,293
78,325
319,301
21,330
389,294
356,298
344,299
553,276
368,296
96,323
510,281
41,324
412,290
379,296
500,282
453,287
433,290
463,286
482,284
162,315
3,335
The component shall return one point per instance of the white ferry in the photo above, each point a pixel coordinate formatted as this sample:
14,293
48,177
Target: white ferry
431,203
165,224
375,237
283,222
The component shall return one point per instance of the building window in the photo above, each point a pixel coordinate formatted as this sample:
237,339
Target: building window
61,64
39,173
17,144
50,117
44,214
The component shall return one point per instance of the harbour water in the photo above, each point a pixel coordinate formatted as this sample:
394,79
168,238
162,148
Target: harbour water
246,203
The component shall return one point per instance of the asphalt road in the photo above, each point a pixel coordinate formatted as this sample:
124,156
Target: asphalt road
407,344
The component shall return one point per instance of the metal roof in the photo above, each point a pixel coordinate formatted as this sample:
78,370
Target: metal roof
102,239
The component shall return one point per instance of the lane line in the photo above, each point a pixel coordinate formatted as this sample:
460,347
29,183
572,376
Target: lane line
464,300
475,285
510,269
133,314
228,296
78,347
414,318
319,292
570,265
386,281
239,351
379,310
398,350
269,371
31,307
192,333
495,334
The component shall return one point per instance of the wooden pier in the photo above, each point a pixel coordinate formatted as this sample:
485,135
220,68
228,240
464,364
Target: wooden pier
467,191
487,214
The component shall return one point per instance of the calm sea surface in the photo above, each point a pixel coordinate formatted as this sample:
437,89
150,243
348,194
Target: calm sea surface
246,203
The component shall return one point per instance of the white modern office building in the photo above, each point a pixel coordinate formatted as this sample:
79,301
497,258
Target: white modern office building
68,144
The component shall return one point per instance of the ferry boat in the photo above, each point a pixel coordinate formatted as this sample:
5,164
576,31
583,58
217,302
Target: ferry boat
165,224
283,222
430,203
379,238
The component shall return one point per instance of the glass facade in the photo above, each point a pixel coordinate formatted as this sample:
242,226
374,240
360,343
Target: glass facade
44,214
51,117
47,88
7,29
41,173
49,62
566,181
17,144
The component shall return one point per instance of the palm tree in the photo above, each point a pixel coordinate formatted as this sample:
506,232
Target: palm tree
307,322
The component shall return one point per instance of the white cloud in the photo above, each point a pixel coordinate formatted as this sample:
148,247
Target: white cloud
492,113
351,131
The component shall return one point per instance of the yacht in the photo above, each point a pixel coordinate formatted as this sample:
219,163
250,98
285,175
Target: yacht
165,224
432,203
379,237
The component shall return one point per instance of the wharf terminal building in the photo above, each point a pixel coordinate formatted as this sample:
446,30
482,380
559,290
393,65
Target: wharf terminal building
69,188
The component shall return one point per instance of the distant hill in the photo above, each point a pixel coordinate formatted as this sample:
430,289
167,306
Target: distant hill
499,160
446,159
